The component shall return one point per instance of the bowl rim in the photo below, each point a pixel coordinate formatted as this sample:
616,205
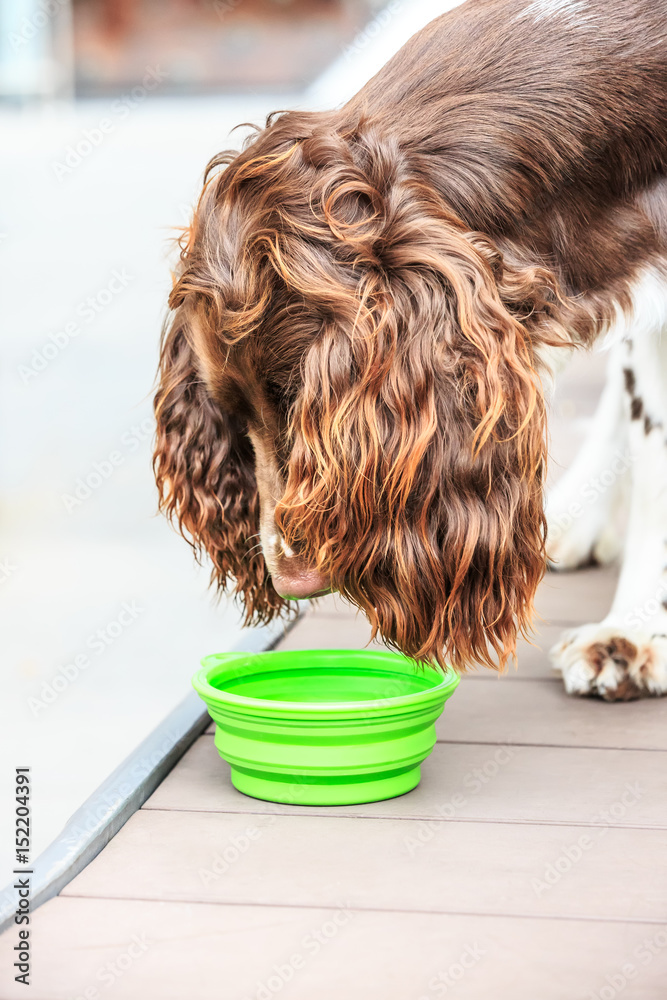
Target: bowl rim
439,692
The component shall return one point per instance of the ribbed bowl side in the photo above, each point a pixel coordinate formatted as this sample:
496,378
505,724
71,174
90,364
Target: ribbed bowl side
329,752
326,748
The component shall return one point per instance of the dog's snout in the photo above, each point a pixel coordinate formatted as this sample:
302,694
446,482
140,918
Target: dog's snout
299,586
291,577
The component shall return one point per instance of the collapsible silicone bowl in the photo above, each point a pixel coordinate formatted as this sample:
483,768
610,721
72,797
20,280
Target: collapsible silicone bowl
323,727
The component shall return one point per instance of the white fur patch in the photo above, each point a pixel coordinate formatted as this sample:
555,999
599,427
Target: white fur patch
648,315
289,553
278,544
541,10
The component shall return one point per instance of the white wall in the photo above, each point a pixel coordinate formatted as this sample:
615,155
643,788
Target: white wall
371,49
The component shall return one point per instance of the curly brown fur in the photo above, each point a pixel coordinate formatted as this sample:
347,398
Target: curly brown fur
368,294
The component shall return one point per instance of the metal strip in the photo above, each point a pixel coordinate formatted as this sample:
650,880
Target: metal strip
99,819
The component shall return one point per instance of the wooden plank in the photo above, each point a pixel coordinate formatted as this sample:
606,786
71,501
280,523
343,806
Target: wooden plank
465,867
466,781
170,951
540,713
579,597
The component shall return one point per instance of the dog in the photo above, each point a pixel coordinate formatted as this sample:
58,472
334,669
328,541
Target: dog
370,306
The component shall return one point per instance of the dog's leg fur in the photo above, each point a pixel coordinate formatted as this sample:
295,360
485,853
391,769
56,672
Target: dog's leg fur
583,508
625,656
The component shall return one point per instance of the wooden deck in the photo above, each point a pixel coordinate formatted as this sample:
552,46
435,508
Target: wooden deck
528,865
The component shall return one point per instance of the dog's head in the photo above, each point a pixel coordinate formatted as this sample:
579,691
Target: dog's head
348,395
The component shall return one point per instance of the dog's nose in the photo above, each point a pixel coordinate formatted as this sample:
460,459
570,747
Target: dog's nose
300,585
290,577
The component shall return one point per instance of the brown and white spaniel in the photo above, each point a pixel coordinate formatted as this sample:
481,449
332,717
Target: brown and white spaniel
369,304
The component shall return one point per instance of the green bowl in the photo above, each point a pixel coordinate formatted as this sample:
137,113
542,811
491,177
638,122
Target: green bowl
323,727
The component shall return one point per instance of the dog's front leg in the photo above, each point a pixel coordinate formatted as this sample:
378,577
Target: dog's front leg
625,656
583,509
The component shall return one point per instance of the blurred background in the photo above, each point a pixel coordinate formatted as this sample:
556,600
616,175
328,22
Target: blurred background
92,48
109,112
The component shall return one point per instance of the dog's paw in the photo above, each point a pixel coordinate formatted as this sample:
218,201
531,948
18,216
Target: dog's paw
612,662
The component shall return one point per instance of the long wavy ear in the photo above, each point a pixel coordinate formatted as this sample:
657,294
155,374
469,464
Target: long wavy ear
203,464
418,437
